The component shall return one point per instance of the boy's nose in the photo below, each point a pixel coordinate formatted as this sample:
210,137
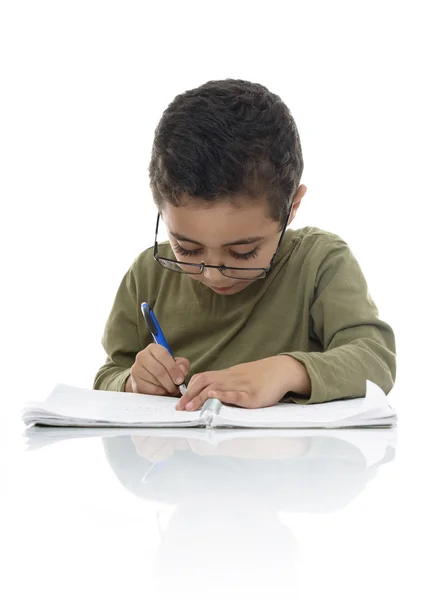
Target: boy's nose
215,278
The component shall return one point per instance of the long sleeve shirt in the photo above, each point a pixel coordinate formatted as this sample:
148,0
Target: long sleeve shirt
314,306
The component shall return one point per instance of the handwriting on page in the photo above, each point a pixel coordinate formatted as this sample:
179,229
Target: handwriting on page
118,407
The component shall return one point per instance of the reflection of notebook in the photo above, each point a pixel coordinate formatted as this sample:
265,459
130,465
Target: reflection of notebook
72,406
372,442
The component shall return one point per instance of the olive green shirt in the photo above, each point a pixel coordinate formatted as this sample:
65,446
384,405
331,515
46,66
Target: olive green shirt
314,306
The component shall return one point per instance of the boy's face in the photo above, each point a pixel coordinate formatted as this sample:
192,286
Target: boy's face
210,232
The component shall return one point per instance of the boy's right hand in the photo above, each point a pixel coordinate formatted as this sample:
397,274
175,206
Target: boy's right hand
156,372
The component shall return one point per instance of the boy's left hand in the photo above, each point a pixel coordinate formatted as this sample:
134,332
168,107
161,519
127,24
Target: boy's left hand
249,385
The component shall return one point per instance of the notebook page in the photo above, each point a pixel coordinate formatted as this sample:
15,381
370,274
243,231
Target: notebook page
286,415
293,415
72,403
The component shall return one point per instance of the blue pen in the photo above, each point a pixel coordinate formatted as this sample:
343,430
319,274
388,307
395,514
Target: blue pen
157,334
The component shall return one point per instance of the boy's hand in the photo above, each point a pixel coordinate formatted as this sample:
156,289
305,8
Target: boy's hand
156,372
250,385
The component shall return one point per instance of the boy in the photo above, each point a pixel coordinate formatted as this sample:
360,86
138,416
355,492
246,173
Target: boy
254,313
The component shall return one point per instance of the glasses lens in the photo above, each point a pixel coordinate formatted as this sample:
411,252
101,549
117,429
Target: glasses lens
244,273
180,267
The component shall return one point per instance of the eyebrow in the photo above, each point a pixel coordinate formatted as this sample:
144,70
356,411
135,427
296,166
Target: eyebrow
241,242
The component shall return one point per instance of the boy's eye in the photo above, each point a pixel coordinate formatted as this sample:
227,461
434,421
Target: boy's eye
245,256
185,252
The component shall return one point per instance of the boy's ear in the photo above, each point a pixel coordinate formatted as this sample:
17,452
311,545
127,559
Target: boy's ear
297,201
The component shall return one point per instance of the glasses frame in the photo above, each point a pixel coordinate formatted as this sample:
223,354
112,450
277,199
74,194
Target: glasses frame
222,267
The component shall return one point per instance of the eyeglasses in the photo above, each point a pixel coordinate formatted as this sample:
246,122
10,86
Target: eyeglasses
198,268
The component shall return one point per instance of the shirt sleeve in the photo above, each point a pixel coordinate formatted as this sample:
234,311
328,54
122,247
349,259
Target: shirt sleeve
356,344
120,339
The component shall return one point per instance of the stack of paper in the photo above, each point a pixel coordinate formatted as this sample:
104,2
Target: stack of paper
79,407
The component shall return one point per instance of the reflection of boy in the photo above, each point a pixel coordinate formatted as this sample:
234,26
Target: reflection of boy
317,474
225,534
157,449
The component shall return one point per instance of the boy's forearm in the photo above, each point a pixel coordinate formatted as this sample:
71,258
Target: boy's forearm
342,372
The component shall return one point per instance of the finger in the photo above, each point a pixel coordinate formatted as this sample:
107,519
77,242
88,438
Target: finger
146,380
197,384
164,368
145,384
198,401
183,364
233,397
143,373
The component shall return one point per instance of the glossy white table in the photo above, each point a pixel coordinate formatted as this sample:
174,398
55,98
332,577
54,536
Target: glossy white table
279,517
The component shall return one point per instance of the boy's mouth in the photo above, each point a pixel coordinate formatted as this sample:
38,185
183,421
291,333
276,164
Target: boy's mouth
222,290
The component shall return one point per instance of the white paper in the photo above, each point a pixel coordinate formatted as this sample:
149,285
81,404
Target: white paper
365,411
71,404
68,405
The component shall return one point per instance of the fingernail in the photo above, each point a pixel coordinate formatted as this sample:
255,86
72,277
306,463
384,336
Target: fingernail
189,406
179,379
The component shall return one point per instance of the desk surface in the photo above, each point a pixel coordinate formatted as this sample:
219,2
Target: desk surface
310,517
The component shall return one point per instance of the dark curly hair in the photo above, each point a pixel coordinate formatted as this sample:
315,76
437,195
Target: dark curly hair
226,139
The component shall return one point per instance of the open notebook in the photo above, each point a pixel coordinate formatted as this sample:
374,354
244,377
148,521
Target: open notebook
73,406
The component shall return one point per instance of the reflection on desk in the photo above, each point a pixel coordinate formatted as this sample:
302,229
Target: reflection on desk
225,530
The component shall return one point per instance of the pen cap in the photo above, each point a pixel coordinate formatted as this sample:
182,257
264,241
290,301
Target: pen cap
149,317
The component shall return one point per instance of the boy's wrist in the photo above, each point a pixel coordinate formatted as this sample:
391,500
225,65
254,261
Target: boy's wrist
128,385
296,378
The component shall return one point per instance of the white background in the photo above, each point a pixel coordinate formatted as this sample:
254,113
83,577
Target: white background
84,85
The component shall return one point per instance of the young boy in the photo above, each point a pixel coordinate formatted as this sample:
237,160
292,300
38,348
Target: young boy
254,313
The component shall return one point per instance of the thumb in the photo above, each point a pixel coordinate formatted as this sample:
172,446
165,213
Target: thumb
183,363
